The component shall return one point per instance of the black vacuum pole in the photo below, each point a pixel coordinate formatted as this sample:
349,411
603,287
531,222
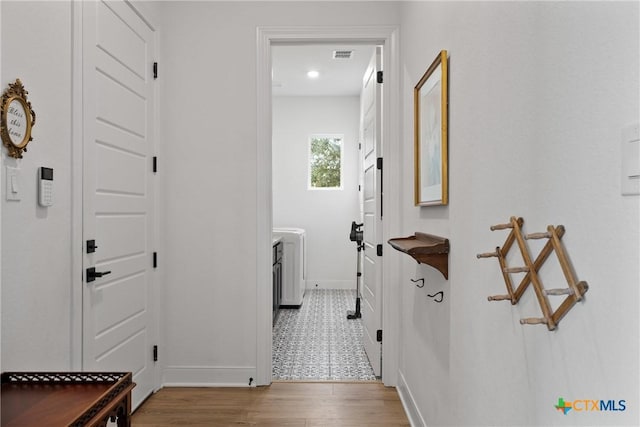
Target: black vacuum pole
356,235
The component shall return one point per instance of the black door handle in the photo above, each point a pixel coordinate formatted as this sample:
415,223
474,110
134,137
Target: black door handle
92,274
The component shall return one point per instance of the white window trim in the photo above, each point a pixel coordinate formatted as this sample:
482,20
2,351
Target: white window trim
330,136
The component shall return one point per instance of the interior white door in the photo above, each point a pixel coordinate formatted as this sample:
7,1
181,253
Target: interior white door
118,192
371,104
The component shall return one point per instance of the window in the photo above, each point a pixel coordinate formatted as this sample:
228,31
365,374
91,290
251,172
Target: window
325,162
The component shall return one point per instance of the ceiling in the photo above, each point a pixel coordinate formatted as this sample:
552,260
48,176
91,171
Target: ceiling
338,77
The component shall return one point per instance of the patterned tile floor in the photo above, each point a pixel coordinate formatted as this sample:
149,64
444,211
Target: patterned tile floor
318,342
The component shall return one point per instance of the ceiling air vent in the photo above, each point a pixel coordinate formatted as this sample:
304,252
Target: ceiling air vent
342,54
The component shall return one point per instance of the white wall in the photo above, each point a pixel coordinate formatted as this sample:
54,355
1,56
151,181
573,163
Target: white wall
36,243
326,215
539,93
208,78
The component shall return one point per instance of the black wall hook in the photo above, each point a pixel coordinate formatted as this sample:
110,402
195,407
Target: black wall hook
418,280
436,296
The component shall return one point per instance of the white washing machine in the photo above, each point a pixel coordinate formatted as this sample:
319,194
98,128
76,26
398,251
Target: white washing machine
294,265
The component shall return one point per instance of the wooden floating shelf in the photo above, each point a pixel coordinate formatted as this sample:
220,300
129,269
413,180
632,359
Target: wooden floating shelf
426,249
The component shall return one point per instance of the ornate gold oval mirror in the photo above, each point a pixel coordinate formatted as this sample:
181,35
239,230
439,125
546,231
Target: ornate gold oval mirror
16,119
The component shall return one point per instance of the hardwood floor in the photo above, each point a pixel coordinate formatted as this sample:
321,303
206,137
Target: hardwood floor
285,404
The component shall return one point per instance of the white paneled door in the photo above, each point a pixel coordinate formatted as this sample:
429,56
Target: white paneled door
118,192
371,104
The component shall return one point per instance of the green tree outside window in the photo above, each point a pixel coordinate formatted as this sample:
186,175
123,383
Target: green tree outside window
325,161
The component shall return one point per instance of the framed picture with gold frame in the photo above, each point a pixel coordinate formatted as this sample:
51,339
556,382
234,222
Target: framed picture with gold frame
431,110
16,119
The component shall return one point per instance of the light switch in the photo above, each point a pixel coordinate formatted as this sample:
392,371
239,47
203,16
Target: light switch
630,151
13,183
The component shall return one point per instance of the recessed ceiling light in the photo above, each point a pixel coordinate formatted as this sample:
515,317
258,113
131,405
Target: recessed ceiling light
313,74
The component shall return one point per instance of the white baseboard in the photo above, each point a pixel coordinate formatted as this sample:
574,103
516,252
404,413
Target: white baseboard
331,284
409,404
209,376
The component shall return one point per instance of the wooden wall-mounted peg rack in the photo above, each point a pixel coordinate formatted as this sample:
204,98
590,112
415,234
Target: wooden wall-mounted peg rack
575,290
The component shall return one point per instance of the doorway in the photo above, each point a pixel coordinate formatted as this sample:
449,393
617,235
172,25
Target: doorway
316,120
267,38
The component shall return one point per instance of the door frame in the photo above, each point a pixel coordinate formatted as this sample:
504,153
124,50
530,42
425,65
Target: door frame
391,137
77,119
149,15
1,183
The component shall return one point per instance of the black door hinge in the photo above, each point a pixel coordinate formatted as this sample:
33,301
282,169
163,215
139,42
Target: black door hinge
379,335
359,146
155,70
155,260
155,353
379,250
155,164
379,78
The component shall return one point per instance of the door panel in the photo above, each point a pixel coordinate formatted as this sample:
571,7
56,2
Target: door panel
121,236
127,298
372,265
127,351
120,107
111,136
118,200
122,35
130,178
